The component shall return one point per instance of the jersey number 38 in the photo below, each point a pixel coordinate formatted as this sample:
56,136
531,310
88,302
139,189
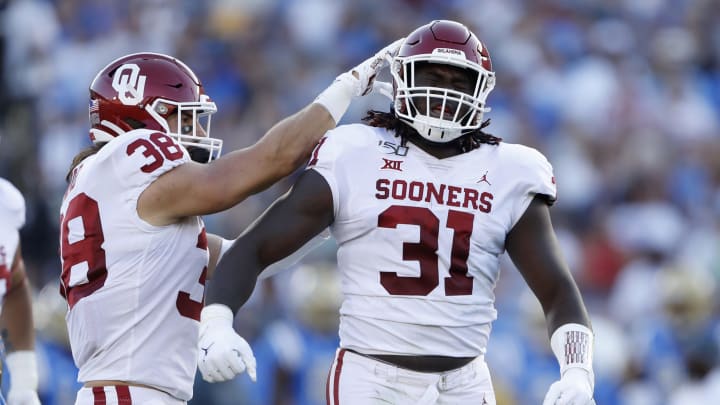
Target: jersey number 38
84,268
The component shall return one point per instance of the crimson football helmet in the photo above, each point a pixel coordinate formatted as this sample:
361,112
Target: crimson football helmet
142,90
450,43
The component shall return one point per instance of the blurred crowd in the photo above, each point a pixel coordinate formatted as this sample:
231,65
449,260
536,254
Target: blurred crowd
622,96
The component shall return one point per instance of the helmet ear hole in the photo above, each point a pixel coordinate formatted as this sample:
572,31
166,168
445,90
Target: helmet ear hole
162,108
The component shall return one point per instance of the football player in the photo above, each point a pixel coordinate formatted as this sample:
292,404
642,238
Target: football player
134,250
16,318
422,203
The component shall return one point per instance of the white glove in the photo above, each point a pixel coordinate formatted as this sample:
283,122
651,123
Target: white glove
222,353
22,366
384,88
358,81
573,388
572,344
365,72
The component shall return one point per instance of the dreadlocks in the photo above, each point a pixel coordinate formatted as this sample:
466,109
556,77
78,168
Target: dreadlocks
467,142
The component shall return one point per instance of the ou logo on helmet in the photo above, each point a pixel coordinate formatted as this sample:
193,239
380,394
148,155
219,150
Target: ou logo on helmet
129,84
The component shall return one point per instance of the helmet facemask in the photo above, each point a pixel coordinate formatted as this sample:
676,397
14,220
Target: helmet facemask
440,114
193,121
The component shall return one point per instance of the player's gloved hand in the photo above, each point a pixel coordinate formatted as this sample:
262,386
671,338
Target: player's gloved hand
22,366
367,71
384,88
357,81
573,388
222,353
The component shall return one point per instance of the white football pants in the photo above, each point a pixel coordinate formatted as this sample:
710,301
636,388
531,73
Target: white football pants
360,380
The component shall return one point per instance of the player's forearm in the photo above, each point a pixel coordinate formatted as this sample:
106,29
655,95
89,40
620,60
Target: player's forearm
566,307
234,280
16,318
282,150
291,141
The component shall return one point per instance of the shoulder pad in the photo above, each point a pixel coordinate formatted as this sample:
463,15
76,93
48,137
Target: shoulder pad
12,204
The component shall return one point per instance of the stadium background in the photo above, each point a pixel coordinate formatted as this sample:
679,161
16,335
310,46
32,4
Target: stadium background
623,96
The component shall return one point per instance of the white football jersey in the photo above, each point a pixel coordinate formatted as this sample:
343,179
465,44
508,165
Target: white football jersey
134,290
12,218
419,238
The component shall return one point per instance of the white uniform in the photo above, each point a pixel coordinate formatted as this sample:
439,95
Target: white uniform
134,290
12,218
419,238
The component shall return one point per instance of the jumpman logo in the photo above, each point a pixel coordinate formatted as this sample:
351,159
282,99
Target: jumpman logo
205,349
484,178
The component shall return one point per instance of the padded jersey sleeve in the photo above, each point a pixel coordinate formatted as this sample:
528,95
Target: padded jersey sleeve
534,177
542,178
12,206
12,218
324,161
140,158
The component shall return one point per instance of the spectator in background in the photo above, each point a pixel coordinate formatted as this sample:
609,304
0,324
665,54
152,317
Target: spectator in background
702,385
16,320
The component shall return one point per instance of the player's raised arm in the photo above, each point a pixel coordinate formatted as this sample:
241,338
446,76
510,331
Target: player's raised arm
285,147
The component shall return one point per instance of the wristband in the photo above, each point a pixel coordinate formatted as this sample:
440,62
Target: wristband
572,344
22,365
216,311
337,97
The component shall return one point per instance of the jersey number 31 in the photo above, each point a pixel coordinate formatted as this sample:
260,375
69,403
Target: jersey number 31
425,251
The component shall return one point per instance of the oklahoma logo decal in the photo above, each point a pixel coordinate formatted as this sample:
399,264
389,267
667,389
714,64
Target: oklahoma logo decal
129,84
